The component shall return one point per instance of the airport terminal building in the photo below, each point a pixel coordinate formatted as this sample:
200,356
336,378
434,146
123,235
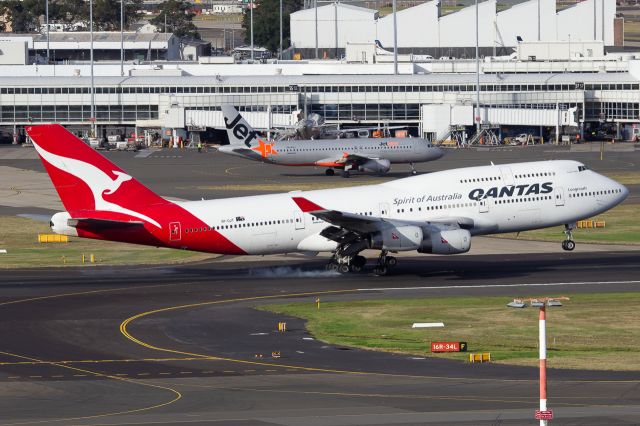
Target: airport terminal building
429,103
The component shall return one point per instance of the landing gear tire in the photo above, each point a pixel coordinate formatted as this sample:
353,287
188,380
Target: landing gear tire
568,244
346,174
359,261
391,261
356,268
380,270
329,172
343,269
413,169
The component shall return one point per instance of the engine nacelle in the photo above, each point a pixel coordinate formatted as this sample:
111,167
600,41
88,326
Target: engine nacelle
403,238
452,241
59,224
376,166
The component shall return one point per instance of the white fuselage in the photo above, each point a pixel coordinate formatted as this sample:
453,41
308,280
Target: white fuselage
500,198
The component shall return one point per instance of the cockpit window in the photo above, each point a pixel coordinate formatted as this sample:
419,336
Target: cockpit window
582,168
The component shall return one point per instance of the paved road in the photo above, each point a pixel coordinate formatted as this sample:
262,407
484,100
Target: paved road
138,345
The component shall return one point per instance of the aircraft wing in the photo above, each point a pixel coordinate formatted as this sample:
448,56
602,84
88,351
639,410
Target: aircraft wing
347,158
361,224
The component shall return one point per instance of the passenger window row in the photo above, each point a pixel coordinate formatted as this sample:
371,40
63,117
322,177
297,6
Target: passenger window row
592,193
441,207
530,175
523,200
239,225
484,179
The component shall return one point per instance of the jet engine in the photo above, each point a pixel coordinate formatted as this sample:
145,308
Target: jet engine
452,241
376,166
402,238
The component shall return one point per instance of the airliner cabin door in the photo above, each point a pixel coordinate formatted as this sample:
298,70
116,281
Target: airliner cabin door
507,176
483,206
175,231
558,193
298,219
384,210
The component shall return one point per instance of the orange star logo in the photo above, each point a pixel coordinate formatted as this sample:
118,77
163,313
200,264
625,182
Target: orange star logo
265,149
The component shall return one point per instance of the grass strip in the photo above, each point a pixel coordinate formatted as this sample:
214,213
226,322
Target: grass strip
591,331
19,236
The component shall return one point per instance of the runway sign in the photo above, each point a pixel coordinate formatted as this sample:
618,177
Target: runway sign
544,415
448,346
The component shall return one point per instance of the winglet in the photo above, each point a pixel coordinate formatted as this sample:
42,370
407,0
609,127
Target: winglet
307,206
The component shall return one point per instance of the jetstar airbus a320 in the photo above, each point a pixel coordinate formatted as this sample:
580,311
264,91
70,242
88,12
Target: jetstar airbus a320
373,155
435,213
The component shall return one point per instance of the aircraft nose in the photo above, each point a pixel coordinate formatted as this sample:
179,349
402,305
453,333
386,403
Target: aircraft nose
624,192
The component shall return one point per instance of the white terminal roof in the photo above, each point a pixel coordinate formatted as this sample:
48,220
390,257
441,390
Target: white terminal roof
101,40
351,80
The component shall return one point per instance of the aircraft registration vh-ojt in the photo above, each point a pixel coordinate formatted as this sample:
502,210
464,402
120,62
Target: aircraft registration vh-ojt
434,213
373,155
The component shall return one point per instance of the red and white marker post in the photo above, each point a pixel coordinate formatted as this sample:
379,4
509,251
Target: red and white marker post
542,325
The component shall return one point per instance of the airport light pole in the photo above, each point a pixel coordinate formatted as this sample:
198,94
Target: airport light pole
477,114
395,40
335,17
93,105
595,3
251,16
280,57
122,38
315,6
543,413
46,13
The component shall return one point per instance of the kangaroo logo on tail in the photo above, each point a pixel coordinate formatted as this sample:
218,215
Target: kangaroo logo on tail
98,181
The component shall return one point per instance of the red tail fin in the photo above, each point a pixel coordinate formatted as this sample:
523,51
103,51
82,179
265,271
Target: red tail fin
84,179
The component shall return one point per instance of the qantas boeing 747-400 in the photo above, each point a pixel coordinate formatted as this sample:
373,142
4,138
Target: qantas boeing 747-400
434,213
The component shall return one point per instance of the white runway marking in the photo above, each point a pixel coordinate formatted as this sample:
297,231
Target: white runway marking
500,285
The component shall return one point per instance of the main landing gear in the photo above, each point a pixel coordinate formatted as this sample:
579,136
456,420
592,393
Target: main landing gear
345,264
569,244
329,172
385,263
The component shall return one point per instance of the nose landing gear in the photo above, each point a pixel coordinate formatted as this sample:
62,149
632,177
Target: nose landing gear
569,244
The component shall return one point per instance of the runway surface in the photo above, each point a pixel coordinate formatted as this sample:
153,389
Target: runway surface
168,345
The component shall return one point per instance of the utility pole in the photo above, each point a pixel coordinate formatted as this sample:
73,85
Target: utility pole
315,6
